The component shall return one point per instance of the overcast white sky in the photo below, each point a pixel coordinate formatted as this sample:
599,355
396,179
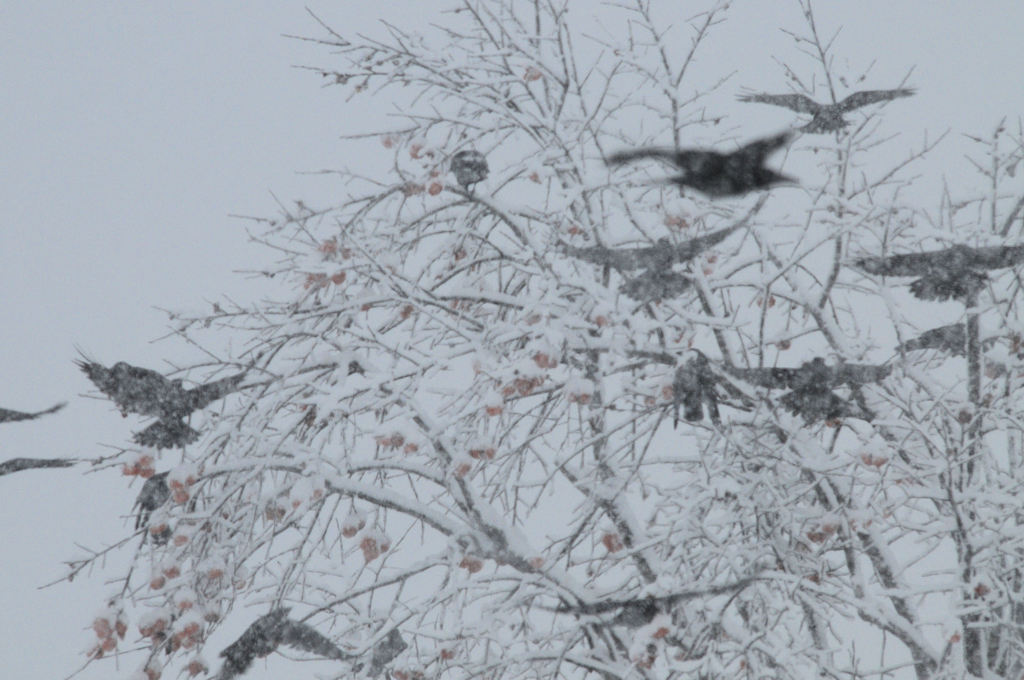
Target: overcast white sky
130,131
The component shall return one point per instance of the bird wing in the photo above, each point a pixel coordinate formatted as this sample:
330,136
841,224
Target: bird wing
859,374
694,247
302,636
200,397
662,152
8,416
951,338
773,378
865,97
906,264
797,102
753,153
667,600
996,257
617,258
19,464
99,375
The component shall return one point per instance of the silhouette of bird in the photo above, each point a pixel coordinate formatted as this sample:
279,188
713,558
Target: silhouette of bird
269,632
811,386
152,495
469,167
148,393
7,416
718,174
636,612
659,281
827,117
956,272
663,254
694,386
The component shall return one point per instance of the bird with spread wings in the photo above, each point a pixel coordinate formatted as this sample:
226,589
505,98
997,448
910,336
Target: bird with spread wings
827,117
148,393
714,173
951,273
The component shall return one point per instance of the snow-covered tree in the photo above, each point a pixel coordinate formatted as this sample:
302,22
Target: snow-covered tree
535,416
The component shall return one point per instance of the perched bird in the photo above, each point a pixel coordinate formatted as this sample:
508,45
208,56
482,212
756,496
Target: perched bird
153,494
469,167
636,612
148,393
811,386
7,416
269,632
827,117
659,281
718,174
694,386
956,272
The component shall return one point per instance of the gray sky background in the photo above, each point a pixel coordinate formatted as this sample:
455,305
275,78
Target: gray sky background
130,132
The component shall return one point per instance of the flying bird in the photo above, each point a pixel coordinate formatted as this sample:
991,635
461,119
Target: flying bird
952,273
659,281
269,632
7,416
469,167
662,254
636,612
148,393
811,386
827,117
718,174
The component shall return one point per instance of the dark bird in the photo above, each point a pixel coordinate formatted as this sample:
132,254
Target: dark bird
693,387
148,393
827,117
269,632
636,612
7,416
153,494
662,254
957,272
718,174
659,281
811,386
469,167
